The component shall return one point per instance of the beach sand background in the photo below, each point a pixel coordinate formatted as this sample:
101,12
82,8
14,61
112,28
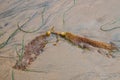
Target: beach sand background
63,61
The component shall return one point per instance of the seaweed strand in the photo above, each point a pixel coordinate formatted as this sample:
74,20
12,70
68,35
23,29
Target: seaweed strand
64,14
12,75
42,16
101,28
110,29
11,36
3,44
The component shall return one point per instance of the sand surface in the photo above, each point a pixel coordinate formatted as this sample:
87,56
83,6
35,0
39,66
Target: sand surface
63,61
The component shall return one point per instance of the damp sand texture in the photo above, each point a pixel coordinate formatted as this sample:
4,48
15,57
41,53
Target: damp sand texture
23,20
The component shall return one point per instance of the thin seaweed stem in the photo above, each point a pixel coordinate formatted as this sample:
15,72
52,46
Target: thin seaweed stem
3,44
12,75
43,23
110,29
101,28
64,14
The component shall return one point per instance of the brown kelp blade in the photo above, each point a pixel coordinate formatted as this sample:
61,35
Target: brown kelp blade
84,42
32,50
78,39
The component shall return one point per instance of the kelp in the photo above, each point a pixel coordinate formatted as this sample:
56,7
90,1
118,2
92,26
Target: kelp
84,42
36,46
32,50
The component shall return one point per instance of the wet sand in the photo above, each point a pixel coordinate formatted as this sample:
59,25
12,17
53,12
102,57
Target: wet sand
63,61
